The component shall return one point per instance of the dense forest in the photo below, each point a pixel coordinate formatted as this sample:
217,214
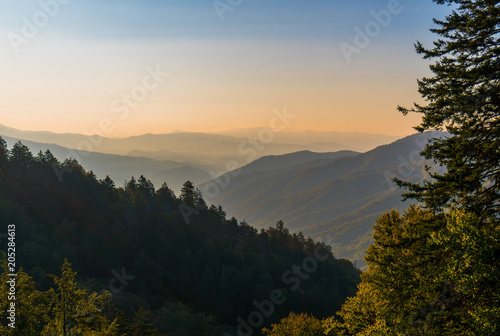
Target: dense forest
148,255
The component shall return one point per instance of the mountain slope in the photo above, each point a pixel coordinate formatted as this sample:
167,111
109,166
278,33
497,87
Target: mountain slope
335,201
272,162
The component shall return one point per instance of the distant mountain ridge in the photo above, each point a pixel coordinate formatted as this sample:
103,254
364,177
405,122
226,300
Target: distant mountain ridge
335,200
271,162
213,149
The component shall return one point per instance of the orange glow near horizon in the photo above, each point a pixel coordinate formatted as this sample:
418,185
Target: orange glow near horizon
99,64
216,93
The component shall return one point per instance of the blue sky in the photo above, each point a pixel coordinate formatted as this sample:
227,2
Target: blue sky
292,19
224,74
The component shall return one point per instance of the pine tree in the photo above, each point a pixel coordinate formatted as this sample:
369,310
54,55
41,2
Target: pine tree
21,156
464,99
4,154
73,311
432,272
165,193
199,201
131,185
145,187
70,164
46,158
188,193
108,184
141,325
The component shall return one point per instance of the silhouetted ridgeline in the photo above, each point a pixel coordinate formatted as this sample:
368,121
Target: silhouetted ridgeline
186,263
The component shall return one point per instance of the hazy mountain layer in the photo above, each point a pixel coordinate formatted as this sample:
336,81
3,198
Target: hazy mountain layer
335,200
241,146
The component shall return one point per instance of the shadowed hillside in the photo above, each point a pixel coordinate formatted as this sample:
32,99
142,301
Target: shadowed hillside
335,200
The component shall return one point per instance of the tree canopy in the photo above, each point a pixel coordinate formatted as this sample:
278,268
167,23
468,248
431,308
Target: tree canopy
463,98
434,269
192,278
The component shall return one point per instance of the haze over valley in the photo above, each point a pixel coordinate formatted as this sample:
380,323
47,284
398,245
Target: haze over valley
331,195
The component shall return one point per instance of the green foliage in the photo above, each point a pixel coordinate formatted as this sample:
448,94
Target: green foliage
72,309
474,270
66,309
436,271
29,303
297,325
428,275
361,315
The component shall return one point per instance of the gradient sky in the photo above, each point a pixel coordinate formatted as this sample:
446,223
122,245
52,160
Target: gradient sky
264,55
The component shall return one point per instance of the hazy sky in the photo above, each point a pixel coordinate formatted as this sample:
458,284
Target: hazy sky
81,65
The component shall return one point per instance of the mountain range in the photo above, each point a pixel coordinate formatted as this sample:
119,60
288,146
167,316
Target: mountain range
334,198
210,149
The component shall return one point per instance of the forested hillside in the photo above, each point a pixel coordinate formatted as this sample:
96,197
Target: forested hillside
334,199
191,270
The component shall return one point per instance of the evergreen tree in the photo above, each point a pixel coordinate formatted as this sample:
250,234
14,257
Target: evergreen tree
4,154
199,201
464,99
21,156
70,164
188,193
131,185
432,272
165,192
145,187
46,158
73,310
108,184
76,218
141,325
